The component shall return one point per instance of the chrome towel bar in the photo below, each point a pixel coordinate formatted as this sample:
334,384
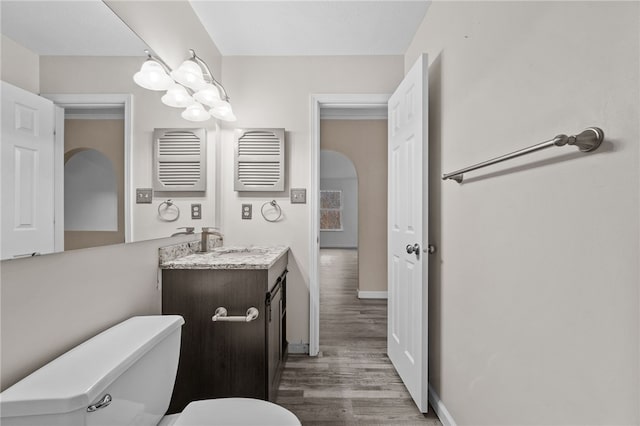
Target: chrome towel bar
588,140
221,315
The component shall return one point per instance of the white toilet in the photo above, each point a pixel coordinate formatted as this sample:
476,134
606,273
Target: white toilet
125,376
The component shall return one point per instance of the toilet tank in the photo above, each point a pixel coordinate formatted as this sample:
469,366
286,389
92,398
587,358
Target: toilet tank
134,362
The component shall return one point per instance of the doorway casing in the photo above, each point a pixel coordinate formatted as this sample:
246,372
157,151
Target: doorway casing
344,102
91,101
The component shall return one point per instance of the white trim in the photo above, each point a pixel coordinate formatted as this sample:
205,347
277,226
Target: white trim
314,227
58,179
318,102
441,411
372,294
116,100
298,348
341,113
128,169
95,116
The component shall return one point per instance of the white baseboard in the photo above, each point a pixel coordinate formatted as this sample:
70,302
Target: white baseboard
372,294
298,348
441,411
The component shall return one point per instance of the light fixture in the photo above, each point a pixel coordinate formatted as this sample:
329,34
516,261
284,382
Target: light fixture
191,86
225,116
195,112
189,74
222,111
177,97
208,95
152,75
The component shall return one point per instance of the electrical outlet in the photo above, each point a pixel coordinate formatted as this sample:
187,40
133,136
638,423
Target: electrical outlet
246,211
298,196
196,211
144,195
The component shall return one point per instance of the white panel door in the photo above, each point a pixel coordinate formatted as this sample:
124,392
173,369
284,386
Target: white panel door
27,173
407,266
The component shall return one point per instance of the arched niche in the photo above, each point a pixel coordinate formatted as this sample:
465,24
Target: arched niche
90,192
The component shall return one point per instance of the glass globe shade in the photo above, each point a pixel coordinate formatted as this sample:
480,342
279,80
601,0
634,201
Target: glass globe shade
189,74
224,112
208,95
222,107
152,76
177,97
195,112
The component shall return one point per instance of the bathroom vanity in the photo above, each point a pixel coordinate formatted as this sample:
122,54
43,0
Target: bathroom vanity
235,354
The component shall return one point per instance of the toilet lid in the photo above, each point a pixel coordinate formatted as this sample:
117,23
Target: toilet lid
235,411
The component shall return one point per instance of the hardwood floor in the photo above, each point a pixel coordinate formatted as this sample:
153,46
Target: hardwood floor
351,381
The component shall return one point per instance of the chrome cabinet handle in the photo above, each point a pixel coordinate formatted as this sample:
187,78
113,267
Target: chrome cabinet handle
105,401
221,315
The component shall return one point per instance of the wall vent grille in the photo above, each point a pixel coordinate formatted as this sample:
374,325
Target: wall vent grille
179,159
259,160
259,143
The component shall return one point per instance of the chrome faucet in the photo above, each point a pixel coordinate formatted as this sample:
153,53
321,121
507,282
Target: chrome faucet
188,230
204,243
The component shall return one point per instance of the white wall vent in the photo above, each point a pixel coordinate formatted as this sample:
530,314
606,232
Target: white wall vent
259,160
179,159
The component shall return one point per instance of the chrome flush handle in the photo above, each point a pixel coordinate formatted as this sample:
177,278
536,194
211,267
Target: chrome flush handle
105,401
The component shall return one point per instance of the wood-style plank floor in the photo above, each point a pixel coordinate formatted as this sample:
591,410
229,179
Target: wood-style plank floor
352,381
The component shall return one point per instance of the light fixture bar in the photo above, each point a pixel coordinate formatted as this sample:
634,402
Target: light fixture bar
225,96
159,60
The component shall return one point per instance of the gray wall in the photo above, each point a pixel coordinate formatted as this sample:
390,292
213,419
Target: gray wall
533,313
52,303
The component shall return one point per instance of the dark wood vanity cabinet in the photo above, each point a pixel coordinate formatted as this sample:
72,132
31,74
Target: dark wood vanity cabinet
227,359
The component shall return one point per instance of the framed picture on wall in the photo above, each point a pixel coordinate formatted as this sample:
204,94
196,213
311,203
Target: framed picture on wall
331,210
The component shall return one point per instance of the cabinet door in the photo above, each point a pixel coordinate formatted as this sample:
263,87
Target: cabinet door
275,342
217,359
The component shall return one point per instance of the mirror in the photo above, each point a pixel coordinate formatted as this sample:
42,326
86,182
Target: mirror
81,56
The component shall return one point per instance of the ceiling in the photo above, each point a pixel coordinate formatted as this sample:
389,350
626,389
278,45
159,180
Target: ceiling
53,28
254,28
305,27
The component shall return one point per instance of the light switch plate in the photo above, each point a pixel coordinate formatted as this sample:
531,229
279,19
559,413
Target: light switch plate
246,211
298,196
196,211
144,195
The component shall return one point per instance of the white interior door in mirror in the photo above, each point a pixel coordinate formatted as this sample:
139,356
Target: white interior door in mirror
27,173
407,232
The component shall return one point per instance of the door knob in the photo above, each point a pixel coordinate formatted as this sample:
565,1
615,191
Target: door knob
414,249
430,249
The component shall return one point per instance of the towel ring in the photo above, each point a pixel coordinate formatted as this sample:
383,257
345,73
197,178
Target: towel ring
168,214
276,206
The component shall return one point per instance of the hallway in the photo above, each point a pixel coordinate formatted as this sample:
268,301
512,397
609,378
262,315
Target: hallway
351,381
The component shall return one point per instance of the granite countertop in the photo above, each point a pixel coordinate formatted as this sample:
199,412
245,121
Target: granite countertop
230,257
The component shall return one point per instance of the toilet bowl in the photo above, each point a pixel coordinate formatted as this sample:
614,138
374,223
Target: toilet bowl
123,376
